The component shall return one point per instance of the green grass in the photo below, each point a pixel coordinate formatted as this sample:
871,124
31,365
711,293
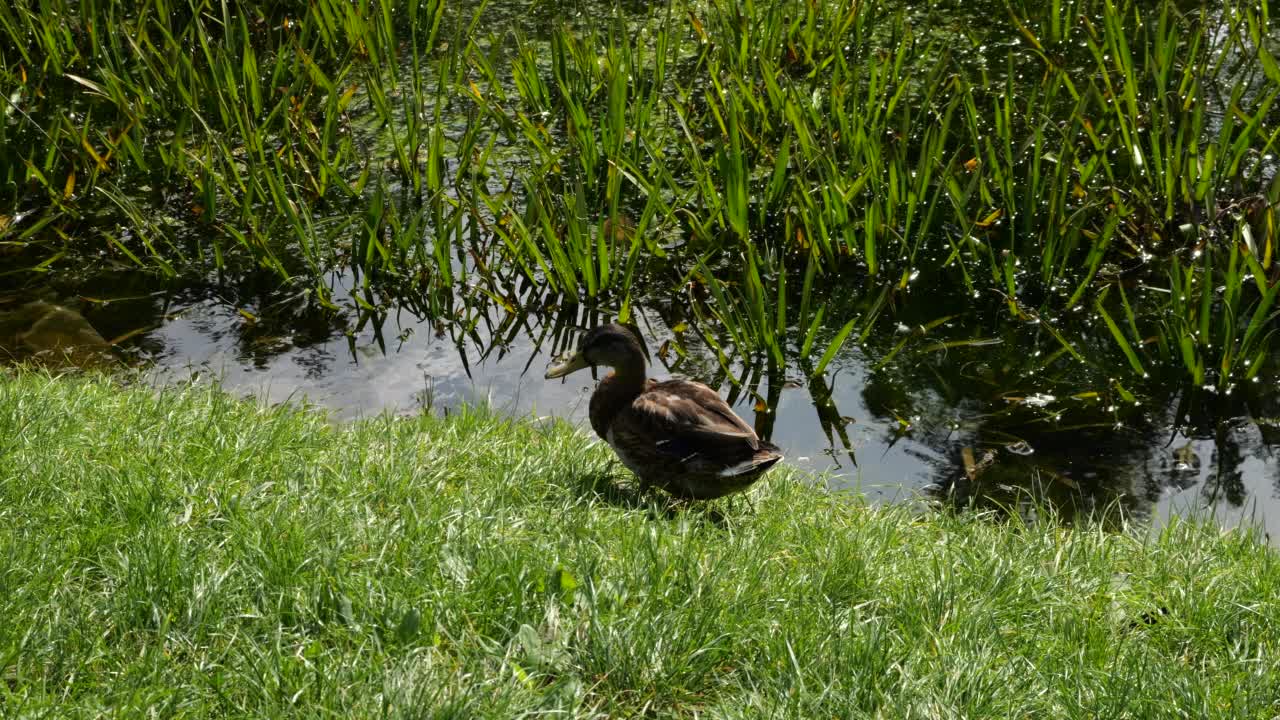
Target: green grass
184,554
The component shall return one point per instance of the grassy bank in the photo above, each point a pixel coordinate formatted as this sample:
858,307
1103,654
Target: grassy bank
188,554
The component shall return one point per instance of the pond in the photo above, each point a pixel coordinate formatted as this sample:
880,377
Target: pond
856,434
941,367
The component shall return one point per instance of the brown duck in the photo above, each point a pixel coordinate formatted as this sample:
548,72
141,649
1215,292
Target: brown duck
675,434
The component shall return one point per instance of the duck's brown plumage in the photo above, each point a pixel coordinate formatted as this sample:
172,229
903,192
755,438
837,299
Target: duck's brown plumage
677,434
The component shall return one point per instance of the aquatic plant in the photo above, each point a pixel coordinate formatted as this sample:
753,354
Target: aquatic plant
1087,177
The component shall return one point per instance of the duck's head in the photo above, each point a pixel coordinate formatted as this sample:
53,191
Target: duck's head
611,345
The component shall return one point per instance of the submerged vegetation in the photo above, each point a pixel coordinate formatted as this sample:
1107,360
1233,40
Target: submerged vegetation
265,562
1087,185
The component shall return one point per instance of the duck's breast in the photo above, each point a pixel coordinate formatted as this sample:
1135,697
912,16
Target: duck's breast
611,397
627,455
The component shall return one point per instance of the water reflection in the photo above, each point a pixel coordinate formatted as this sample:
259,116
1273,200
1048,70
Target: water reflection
968,427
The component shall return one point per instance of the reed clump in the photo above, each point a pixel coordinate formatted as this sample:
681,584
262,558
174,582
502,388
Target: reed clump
1090,178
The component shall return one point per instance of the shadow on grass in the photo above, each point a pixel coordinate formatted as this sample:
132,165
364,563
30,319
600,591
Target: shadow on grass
623,490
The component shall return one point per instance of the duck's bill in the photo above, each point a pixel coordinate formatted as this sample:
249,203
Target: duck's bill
563,366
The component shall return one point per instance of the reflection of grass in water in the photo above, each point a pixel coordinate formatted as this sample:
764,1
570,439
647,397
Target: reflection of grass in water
810,175
188,552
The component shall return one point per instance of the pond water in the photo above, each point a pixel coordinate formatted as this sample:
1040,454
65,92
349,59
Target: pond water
967,417
856,437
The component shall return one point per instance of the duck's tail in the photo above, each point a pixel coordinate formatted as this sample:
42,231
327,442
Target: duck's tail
765,457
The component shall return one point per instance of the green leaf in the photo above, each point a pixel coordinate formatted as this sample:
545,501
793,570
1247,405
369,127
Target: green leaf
834,347
1269,65
1120,338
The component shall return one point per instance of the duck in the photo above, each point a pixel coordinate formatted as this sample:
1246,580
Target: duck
677,434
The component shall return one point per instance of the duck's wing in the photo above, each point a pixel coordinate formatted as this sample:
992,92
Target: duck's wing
684,426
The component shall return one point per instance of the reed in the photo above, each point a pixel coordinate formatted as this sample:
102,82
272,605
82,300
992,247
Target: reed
1103,170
